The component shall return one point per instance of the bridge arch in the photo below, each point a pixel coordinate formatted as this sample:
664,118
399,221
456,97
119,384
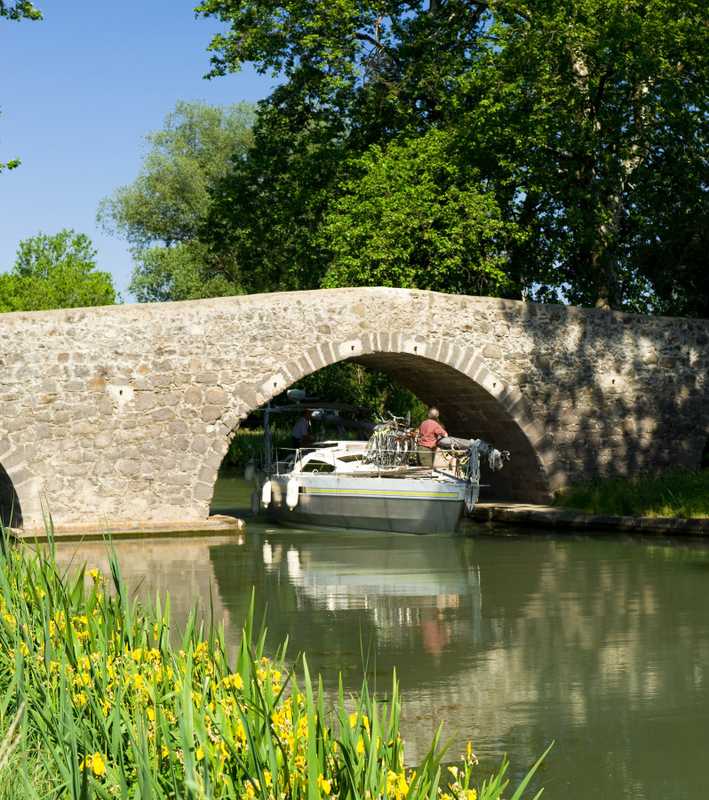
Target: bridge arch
10,503
474,401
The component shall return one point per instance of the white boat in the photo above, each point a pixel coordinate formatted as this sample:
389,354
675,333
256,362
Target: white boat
364,484
333,485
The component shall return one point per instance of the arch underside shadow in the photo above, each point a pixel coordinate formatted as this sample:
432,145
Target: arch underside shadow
468,410
10,510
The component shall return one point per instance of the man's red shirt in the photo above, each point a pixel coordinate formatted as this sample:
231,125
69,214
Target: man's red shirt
430,432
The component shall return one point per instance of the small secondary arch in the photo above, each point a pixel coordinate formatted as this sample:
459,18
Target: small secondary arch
10,509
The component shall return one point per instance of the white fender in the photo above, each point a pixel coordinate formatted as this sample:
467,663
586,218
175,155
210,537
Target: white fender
292,491
249,470
266,494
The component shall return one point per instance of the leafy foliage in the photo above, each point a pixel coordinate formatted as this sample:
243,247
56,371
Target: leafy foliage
12,164
597,103
56,271
585,122
362,387
415,216
162,211
351,81
19,9
178,273
268,210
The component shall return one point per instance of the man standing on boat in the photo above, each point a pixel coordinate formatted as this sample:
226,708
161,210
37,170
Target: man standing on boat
301,434
427,436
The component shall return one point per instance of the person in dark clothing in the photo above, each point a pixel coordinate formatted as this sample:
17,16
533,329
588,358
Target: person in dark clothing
301,434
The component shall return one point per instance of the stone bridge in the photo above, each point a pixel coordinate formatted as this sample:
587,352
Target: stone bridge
123,413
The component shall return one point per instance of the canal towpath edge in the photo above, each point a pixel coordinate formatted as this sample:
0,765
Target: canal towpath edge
560,519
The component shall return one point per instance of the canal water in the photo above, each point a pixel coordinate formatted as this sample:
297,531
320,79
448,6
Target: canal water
511,640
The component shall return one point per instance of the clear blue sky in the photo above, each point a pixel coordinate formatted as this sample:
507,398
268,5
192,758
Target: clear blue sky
79,91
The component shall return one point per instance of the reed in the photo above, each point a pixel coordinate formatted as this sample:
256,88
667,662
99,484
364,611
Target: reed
675,493
101,699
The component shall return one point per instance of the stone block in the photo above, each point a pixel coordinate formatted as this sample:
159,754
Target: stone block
492,351
129,467
210,414
248,397
199,444
209,378
207,475
204,492
16,424
193,396
96,384
103,440
215,396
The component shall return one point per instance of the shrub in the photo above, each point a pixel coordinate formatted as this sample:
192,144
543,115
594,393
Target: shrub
675,493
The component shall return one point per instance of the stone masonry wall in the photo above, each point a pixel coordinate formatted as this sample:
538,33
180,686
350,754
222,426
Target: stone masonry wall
125,412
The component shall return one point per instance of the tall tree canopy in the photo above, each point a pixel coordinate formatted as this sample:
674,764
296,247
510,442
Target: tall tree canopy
56,271
598,103
584,122
163,210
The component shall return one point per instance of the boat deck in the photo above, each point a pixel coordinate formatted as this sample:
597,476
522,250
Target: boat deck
402,472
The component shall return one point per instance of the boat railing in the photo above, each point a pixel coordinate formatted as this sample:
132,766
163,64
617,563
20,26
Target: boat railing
455,466
282,466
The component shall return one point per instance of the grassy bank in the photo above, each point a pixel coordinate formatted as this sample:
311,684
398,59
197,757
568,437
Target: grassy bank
97,702
675,493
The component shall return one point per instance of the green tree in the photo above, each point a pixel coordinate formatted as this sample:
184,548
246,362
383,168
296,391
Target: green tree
414,215
179,273
354,74
162,212
56,271
572,114
580,112
268,210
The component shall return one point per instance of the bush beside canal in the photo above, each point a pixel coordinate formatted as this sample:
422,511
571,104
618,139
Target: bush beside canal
97,702
675,493
247,445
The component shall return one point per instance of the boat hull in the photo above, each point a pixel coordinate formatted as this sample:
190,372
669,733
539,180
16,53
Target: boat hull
400,505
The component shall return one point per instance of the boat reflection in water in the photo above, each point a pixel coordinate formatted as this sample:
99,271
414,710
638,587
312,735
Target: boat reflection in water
409,593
